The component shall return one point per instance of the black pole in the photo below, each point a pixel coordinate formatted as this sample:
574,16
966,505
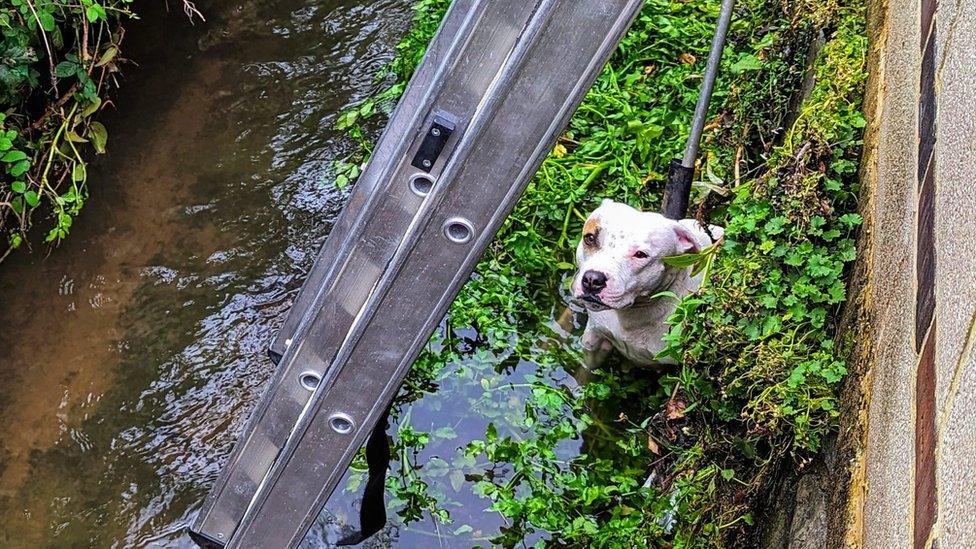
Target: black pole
677,191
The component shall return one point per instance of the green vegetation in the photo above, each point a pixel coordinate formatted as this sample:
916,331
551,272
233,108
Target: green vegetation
57,59
565,463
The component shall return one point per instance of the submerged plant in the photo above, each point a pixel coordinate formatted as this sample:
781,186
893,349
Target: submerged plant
625,458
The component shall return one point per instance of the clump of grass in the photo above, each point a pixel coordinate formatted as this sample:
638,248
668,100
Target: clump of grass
57,60
757,386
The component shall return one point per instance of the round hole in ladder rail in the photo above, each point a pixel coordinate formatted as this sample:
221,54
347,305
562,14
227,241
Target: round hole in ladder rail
341,423
458,230
421,184
310,380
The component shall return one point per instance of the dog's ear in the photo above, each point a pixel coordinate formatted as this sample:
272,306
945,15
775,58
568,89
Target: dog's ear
687,244
606,202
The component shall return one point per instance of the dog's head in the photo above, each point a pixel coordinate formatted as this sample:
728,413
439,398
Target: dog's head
620,256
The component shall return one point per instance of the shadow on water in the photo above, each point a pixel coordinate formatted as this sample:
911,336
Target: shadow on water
132,355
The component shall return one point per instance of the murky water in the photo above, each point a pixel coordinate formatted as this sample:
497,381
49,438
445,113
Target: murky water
132,356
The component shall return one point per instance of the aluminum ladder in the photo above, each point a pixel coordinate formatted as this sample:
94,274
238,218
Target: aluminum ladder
497,86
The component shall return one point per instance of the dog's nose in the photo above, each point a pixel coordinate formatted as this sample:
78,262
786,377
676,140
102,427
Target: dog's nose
593,282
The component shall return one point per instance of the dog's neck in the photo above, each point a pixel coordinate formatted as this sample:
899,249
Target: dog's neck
650,311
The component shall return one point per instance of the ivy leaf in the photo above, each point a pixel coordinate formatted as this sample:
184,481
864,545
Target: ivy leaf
18,186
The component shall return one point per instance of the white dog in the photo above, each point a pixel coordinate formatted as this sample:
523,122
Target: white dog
621,268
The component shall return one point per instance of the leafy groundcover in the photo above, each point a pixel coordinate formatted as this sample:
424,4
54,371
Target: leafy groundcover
494,412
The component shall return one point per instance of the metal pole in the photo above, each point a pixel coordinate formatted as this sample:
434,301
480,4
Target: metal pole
677,192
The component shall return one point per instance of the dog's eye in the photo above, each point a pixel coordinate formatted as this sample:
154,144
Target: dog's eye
589,239
640,255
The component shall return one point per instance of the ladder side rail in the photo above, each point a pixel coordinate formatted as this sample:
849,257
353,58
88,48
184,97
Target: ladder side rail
255,451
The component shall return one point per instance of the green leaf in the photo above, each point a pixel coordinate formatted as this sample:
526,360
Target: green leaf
47,20
98,135
91,108
65,69
18,186
107,56
683,260
20,168
347,119
78,172
96,12
14,156
70,135
746,62
32,199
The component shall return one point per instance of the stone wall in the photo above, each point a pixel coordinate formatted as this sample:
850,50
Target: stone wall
906,474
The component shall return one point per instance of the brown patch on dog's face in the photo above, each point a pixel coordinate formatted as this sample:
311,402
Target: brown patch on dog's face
591,232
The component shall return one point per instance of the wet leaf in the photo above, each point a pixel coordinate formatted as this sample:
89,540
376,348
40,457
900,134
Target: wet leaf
457,480
675,409
70,135
98,135
107,57
445,433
